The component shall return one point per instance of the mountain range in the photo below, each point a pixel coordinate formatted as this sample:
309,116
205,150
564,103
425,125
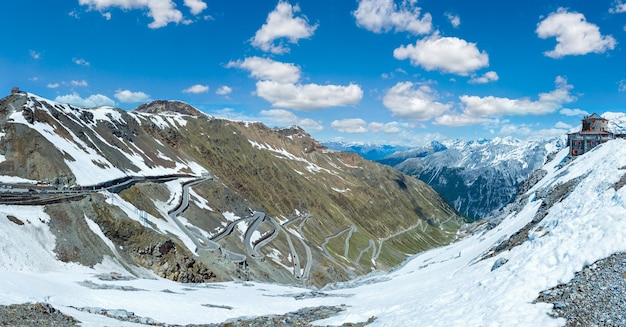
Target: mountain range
552,257
477,177
165,190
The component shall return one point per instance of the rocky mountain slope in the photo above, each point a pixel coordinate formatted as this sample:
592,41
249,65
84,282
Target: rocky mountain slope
167,190
553,257
476,177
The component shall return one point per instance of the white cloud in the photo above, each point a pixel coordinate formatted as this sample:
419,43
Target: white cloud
481,109
531,132
196,89
620,7
34,54
389,128
195,6
53,85
268,69
490,76
574,35
82,83
94,100
162,12
457,120
405,101
516,129
384,15
573,112
127,96
74,14
81,61
455,20
280,24
496,106
231,114
308,96
447,54
284,117
562,125
224,90
622,85
352,126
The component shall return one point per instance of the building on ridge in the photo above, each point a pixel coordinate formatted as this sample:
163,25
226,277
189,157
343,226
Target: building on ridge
594,132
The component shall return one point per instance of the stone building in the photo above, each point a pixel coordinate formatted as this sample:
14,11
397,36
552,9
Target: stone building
594,131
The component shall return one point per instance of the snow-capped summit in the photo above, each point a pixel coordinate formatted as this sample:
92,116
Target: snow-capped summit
617,122
477,177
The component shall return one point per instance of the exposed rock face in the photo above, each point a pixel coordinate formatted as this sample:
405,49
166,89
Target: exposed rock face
165,260
476,177
162,106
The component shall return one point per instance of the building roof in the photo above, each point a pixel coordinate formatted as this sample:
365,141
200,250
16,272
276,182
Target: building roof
595,116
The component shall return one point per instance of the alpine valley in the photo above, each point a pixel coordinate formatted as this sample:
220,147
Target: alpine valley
191,198
165,216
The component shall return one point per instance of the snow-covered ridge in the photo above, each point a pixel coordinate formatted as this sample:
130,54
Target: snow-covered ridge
84,143
455,287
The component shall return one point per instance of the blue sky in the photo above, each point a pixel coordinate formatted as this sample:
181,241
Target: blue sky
378,71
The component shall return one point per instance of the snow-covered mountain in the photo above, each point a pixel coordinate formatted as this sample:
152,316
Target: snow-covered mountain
476,177
368,151
617,121
569,219
167,191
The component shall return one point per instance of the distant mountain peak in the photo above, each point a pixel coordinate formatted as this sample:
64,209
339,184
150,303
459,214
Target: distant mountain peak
167,106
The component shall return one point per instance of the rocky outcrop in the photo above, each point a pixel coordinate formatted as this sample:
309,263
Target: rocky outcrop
163,106
166,261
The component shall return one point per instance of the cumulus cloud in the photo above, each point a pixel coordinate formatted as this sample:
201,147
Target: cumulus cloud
562,125
390,128
308,96
53,85
455,20
407,100
384,15
482,109
574,35
162,12
496,106
94,100
196,89
268,69
285,117
447,54
81,61
281,24
82,83
127,96
573,112
352,126
195,6
224,90
487,77
278,84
